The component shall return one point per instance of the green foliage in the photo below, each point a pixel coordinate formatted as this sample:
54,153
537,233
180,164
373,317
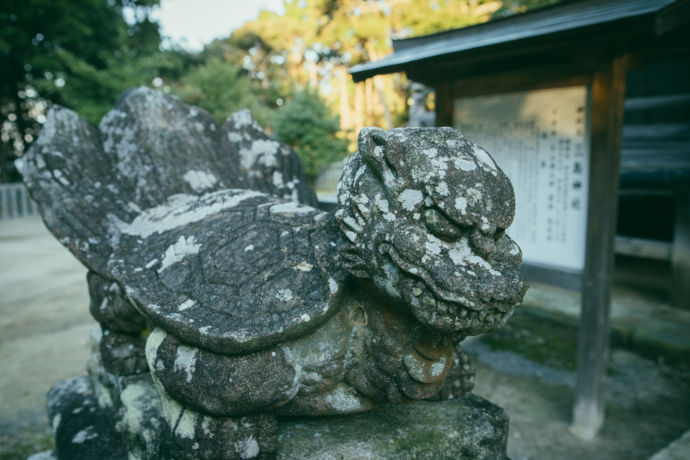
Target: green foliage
306,124
81,54
221,87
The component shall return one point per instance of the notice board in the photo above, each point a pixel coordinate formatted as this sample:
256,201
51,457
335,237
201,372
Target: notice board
540,139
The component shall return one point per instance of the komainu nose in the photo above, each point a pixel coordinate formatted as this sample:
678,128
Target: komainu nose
482,243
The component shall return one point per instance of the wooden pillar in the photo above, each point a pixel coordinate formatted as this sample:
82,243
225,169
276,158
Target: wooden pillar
606,121
680,255
444,105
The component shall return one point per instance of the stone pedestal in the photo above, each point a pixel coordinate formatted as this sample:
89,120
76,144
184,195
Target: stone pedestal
104,417
466,428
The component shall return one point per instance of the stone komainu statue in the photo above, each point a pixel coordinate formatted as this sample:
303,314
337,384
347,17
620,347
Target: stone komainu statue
211,268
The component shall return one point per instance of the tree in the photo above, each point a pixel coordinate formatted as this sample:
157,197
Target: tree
306,124
221,87
64,52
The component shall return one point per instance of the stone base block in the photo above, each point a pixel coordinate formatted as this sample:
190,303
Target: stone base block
101,428
465,428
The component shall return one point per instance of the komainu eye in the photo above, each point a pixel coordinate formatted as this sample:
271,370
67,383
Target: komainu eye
440,226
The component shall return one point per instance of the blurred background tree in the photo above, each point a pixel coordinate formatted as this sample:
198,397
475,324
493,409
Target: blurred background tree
290,70
306,124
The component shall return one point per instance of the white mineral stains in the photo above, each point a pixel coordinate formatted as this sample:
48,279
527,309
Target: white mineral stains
185,360
391,279
514,250
247,448
440,166
189,303
461,204
133,398
261,151
153,342
304,318
359,172
60,177
442,189
284,295
290,207
185,426
352,223
84,435
431,153
474,194
249,248
383,205
234,137
388,178
484,157
200,180
178,251
485,224
206,426
352,236
465,165
303,267
182,209
332,286
243,118
462,254
204,329
342,400
278,179
410,198
433,244
438,367
55,423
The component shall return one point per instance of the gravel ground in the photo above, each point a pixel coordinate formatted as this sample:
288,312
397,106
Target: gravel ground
527,367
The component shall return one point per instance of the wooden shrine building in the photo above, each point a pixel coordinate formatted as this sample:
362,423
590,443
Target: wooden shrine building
545,93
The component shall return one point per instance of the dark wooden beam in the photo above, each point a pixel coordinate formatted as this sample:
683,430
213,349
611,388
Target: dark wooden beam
525,80
606,122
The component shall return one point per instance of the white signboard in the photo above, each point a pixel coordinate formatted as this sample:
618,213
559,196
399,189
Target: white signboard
540,139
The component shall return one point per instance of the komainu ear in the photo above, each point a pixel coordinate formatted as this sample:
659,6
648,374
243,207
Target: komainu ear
375,147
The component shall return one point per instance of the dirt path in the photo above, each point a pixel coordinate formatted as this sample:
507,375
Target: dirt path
44,329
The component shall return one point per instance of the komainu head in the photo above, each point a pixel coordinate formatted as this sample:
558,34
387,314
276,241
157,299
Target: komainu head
424,213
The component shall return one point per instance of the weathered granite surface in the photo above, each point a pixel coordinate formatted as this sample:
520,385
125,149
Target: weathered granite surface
244,305
132,416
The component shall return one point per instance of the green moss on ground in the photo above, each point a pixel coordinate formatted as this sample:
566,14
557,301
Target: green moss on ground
22,444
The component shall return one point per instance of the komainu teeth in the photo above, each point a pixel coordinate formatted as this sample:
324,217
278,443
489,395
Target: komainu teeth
416,292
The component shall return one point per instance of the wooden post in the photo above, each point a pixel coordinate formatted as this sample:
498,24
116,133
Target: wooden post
680,252
606,121
444,104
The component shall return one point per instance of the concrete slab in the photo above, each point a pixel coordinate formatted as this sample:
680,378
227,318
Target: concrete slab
640,319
